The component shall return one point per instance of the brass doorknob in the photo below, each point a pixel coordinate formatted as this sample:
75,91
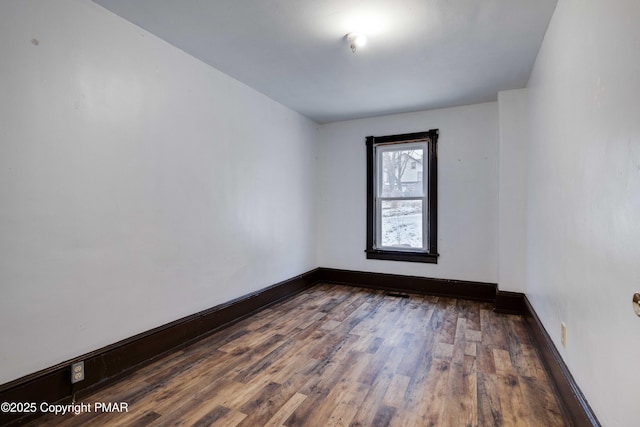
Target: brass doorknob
636,303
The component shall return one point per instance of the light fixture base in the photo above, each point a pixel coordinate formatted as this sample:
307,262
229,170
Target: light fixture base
356,40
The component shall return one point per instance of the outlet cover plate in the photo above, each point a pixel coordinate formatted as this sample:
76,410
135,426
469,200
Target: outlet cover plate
77,372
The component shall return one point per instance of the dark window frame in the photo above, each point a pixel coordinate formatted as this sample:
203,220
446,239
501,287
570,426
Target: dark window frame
431,255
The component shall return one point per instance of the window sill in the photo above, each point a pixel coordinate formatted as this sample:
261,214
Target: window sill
402,256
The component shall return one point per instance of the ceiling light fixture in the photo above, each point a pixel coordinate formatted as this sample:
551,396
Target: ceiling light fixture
356,40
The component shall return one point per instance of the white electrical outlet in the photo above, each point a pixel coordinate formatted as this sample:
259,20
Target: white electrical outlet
77,372
563,334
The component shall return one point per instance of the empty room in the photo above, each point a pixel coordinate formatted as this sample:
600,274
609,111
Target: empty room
319,212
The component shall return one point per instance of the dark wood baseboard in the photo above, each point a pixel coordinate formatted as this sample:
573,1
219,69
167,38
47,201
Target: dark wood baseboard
111,363
108,364
424,285
509,302
576,406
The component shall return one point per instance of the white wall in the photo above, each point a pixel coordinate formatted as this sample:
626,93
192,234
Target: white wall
512,190
583,198
467,193
137,184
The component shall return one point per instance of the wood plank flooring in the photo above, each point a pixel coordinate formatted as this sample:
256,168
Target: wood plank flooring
341,356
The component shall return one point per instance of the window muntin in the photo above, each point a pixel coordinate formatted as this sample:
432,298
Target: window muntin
402,197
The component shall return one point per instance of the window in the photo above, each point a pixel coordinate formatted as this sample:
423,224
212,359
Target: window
402,210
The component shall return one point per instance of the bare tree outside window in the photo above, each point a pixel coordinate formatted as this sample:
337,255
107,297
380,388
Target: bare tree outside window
397,179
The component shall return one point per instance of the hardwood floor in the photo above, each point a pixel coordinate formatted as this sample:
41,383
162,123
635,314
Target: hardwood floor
341,356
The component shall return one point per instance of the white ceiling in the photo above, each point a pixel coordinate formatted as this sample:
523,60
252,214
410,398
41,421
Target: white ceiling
421,54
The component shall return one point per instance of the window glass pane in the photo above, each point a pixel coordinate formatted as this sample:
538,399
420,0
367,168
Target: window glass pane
402,172
401,224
